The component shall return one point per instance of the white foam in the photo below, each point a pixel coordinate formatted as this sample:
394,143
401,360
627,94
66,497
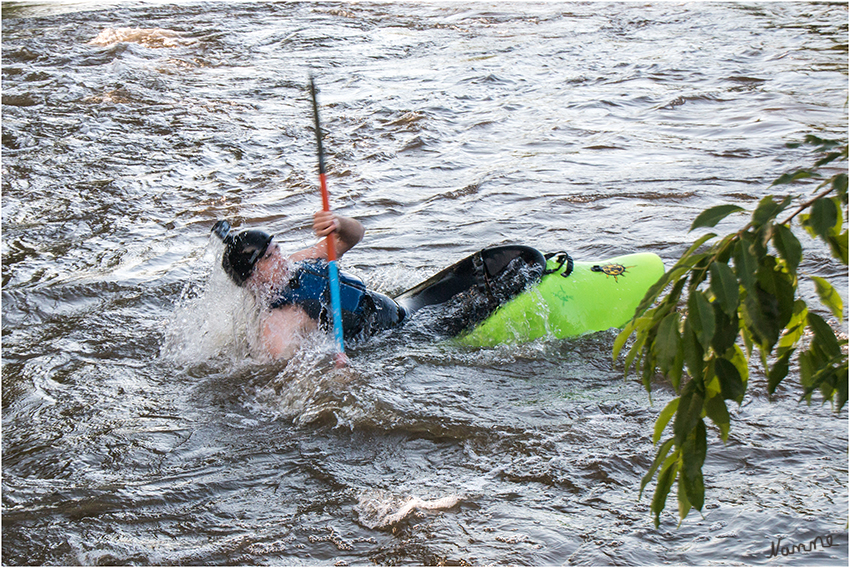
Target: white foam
148,37
381,510
212,319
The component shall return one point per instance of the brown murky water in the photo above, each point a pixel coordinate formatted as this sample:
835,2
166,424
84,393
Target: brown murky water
138,430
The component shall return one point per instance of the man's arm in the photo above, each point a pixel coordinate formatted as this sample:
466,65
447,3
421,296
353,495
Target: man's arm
348,233
283,329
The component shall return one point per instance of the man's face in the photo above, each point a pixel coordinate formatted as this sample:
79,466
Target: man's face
271,268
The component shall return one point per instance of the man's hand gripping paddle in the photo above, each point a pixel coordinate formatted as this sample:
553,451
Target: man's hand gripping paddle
333,270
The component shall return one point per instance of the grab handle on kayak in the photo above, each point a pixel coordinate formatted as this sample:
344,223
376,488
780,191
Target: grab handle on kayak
562,258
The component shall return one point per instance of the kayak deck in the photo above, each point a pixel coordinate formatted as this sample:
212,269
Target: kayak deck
593,296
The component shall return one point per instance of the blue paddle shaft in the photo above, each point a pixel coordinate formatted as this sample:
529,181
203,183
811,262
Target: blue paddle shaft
336,308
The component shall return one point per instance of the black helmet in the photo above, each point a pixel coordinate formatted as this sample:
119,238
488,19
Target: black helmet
241,250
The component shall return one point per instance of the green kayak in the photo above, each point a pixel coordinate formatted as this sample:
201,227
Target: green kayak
514,294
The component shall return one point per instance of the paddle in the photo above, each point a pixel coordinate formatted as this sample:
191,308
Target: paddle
333,271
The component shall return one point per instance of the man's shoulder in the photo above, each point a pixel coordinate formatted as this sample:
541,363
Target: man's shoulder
315,251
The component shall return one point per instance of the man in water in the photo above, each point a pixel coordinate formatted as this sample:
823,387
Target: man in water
291,291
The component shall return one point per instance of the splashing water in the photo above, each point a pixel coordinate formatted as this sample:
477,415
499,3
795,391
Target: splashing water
151,38
211,320
380,510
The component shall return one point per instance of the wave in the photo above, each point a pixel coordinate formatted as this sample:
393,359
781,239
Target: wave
149,37
381,510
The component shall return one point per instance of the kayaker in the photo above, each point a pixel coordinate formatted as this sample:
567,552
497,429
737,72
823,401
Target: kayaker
292,290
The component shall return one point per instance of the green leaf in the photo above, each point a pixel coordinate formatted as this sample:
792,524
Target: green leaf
694,488
671,301
667,343
804,222
699,272
749,341
838,211
664,418
823,217
731,384
710,217
780,286
648,370
839,185
724,286
723,249
693,351
701,318
788,245
807,367
665,482
693,456
827,379
697,243
838,246
823,144
746,264
768,209
660,457
829,296
794,329
737,357
688,413
840,397
682,499
779,371
830,157
675,373
694,450
715,408
635,349
725,330
651,295
761,315
788,178
622,337
824,336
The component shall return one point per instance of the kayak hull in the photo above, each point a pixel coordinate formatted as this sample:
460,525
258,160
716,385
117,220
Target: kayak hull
593,296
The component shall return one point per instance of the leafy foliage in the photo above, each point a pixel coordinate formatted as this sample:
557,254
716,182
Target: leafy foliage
726,300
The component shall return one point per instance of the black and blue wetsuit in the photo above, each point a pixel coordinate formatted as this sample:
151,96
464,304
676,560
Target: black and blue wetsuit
364,312
468,292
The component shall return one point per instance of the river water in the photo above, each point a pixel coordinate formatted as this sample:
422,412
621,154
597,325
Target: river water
139,427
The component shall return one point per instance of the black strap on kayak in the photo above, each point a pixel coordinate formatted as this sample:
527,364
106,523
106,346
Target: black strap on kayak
501,277
563,259
479,274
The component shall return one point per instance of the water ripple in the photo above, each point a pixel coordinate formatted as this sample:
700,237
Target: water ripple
134,403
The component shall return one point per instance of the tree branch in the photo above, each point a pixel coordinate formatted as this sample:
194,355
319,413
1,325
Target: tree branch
806,205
